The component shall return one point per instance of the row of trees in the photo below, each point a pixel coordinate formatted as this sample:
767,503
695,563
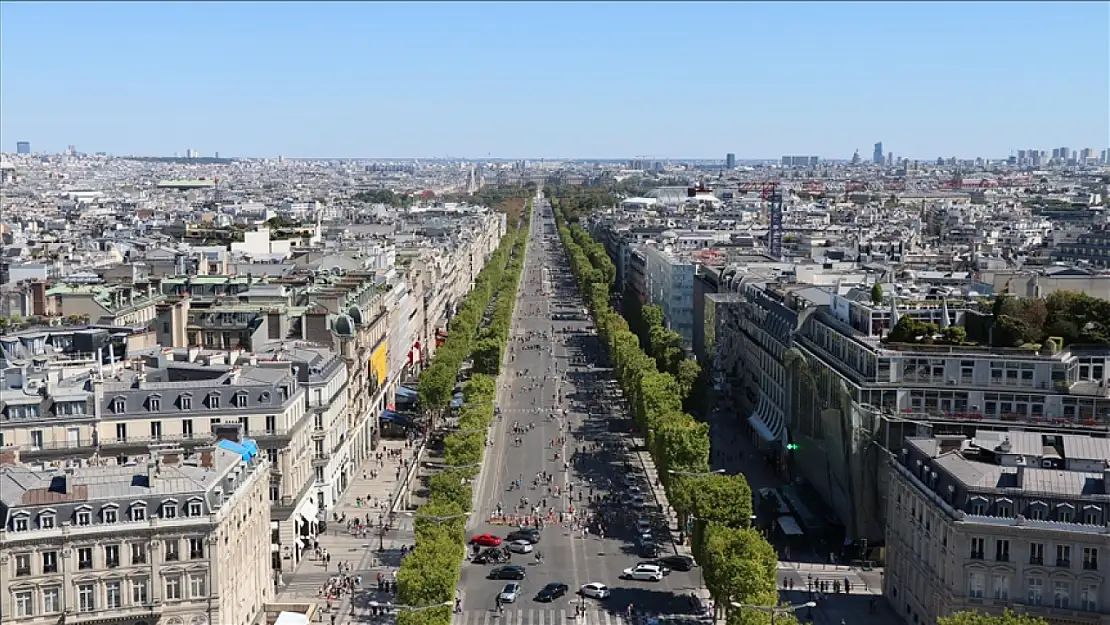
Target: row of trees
738,563
663,344
429,574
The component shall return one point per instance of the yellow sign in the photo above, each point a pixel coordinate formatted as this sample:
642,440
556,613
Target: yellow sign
379,364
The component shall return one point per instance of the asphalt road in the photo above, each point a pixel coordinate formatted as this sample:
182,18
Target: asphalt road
552,365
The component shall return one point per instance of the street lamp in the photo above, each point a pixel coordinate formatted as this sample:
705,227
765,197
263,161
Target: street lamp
775,610
695,473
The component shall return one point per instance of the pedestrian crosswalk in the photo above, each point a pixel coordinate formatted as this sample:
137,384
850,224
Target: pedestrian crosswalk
563,616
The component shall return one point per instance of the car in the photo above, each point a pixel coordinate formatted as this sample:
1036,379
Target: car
597,590
644,572
509,593
678,562
520,546
551,592
511,571
656,562
486,540
648,549
637,502
643,525
531,535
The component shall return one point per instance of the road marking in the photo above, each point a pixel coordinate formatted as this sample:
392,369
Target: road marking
520,617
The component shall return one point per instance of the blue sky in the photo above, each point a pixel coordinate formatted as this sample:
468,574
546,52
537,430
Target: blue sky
555,80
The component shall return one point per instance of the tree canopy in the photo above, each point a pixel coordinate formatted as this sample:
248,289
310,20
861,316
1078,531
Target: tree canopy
1008,617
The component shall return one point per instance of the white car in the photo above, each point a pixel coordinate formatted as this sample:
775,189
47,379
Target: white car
596,590
509,593
644,572
520,546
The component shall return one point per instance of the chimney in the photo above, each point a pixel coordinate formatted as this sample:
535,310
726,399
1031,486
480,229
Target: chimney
171,457
206,457
153,468
9,456
1019,477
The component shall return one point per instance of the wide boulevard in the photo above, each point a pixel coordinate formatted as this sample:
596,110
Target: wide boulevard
554,384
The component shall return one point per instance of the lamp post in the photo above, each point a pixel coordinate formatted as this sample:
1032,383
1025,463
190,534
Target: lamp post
774,610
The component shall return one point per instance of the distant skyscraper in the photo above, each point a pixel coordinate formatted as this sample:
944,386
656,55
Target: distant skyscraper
877,155
730,161
22,147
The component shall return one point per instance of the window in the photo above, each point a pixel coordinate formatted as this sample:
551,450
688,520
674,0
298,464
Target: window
111,556
84,557
1034,591
46,521
213,401
977,548
173,588
50,562
172,551
169,511
196,548
22,564
1002,550
138,553
83,517
271,424
20,524
187,428
119,405
86,598
1061,594
975,584
194,508
138,513
121,431
978,507
36,439
110,515
1036,553
140,591
186,402
51,600
1090,558
1088,597
113,595
154,403
24,603
156,430
1091,516
197,588
240,400
1001,585
1064,514
1063,555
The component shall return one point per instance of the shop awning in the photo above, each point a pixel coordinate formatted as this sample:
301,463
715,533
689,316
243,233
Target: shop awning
789,526
389,416
766,420
407,393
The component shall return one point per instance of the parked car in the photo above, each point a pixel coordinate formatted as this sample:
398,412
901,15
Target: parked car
531,535
597,590
486,540
520,546
678,562
648,549
490,555
551,592
509,593
658,563
644,572
511,571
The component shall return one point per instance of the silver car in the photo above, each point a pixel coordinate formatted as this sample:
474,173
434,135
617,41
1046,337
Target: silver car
509,593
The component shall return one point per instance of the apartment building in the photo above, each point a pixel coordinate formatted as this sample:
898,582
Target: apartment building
669,284
1000,520
177,539
122,305
172,396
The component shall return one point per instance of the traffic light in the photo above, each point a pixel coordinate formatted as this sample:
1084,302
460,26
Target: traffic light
791,446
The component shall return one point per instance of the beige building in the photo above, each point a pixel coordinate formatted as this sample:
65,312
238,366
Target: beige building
1000,520
179,539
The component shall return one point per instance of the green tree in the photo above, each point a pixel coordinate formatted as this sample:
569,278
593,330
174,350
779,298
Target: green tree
1008,617
431,616
450,487
877,294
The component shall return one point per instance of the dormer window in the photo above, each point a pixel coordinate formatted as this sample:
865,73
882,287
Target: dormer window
1004,508
169,510
138,512
109,514
1092,515
194,508
283,393
212,401
185,402
154,403
1065,512
240,400
978,506
119,405
1038,510
82,517
264,397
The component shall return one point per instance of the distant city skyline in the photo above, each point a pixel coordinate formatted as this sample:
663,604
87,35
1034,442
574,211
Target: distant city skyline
568,81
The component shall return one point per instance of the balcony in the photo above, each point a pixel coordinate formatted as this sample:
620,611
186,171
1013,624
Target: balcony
320,460
1036,560
976,555
1064,563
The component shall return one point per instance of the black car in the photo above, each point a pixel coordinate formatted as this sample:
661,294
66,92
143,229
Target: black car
678,562
551,592
648,549
511,571
659,563
531,535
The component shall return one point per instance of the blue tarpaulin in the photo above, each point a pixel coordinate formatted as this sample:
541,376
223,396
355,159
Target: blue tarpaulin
407,393
247,449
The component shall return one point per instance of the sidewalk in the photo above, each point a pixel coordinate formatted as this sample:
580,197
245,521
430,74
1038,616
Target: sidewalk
360,554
